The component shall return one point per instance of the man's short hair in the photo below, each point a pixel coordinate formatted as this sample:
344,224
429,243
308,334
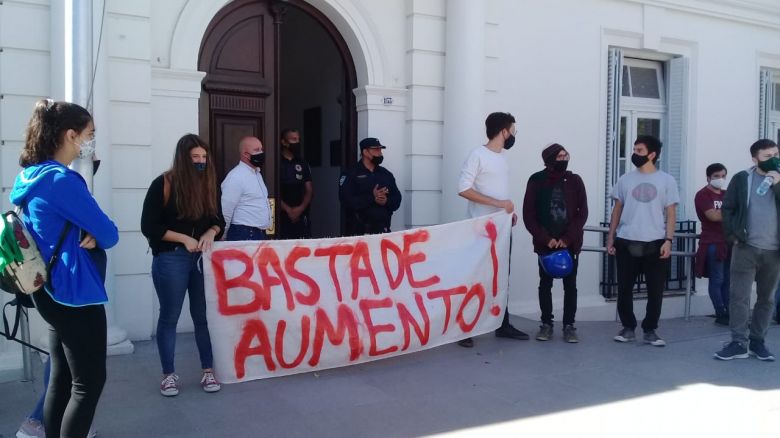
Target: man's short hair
715,167
497,122
760,145
652,144
285,131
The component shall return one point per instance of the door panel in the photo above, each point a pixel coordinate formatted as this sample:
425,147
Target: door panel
228,131
239,56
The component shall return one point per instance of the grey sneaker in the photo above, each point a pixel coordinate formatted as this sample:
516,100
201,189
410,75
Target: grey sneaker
652,338
625,335
570,334
545,332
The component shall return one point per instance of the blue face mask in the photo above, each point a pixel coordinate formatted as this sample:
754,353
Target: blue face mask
200,167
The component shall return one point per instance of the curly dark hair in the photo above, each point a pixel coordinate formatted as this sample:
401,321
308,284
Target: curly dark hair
49,123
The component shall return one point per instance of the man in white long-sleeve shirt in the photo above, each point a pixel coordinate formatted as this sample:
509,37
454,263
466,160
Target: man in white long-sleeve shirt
244,195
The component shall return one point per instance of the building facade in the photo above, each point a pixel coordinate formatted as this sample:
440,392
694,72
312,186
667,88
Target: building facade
421,75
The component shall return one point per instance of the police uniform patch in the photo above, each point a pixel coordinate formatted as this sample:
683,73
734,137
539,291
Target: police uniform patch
343,178
298,168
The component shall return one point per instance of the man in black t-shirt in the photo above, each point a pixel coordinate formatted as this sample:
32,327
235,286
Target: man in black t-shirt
295,188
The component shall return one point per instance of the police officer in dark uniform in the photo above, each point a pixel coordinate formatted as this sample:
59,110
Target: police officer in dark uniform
295,188
368,192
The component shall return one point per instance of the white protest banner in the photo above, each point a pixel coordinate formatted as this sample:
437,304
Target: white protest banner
284,307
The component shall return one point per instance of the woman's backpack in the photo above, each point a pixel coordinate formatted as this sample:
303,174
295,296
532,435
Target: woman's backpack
22,268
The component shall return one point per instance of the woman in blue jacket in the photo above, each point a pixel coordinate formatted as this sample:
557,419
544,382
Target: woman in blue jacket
72,302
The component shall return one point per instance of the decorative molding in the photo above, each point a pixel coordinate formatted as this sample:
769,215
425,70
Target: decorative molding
176,83
742,11
236,103
372,98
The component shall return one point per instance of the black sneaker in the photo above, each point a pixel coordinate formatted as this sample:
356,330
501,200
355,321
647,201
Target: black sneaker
466,343
625,335
722,320
511,332
545,332
570,334
758,349
732,350
652,338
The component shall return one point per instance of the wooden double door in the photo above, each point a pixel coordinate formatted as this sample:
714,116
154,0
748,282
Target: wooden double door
241,55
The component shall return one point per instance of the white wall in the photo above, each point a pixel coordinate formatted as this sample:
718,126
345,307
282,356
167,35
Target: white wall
24,78
553,78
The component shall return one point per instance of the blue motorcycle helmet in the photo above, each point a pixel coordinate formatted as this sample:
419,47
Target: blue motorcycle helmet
558,264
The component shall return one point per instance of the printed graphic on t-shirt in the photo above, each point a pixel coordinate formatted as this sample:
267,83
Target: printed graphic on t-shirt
645,192
557,206
717,205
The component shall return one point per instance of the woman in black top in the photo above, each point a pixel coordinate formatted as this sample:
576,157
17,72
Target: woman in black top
181,218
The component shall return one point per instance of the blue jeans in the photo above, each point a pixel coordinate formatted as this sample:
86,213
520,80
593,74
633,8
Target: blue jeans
720,279
37,413
243,232
175,273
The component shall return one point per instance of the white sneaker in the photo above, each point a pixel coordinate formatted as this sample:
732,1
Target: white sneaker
168,386
31,428
209,383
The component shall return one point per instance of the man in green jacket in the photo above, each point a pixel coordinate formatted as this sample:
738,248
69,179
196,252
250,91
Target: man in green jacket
751,223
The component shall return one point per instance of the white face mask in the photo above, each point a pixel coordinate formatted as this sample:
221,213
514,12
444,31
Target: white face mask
718,183
87,149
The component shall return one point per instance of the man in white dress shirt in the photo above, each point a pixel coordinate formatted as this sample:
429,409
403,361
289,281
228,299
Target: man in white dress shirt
244,195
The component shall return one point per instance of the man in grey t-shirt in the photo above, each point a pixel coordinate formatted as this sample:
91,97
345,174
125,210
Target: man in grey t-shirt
750,223
640,236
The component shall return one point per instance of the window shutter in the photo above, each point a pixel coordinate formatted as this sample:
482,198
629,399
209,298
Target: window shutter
764,104
673,153
614,84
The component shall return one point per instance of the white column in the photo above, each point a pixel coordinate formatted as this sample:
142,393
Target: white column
464,93
57,47
79,64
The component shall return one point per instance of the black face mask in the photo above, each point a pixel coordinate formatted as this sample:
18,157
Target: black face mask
200,167
257,160
295,148
377,160
770,164
560,166
509,142
639,160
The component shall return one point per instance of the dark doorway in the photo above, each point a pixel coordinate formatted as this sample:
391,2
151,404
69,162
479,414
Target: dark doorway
271,65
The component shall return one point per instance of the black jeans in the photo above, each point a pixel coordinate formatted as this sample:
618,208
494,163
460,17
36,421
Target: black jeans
646,261
569,295
294,230
77,345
